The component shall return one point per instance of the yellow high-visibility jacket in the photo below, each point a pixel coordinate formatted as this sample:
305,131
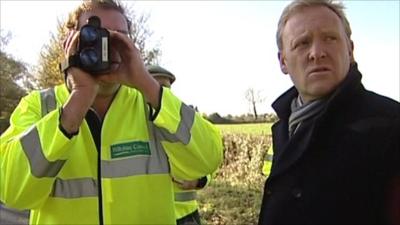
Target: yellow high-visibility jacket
66,181
186,200
268,162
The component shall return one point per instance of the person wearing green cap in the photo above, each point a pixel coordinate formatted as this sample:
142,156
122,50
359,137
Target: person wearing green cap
163,76
101,148
186,205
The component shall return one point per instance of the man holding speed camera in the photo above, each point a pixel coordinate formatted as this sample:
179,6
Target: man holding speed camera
101,148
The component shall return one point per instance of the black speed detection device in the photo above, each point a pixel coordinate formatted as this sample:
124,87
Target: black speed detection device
93,55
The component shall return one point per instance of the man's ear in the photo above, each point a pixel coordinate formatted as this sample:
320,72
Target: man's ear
351,53
282,63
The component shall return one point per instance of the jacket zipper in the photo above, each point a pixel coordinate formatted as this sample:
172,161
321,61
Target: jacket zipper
95,126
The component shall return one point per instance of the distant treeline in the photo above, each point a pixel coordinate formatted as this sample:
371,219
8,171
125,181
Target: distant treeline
215,118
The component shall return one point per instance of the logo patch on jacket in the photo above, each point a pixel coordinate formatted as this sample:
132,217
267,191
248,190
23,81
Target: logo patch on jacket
130,149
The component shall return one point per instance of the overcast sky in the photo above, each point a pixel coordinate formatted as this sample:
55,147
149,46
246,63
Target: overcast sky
218,49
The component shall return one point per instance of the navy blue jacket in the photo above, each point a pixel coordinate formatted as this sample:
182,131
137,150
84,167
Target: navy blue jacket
341,167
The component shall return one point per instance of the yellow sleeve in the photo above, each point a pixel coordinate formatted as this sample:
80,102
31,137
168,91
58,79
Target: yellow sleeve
193,145
32,152
266,169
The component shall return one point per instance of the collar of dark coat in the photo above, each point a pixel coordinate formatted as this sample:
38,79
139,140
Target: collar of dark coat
350,85
342,95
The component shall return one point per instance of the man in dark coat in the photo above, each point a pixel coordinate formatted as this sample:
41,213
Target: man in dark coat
336,145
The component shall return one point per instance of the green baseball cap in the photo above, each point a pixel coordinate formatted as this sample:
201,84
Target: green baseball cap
158,71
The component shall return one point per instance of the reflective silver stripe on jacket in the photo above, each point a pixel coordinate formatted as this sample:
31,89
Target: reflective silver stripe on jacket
156,163
74,188
47,100
183,132
185,196
268,157
40,166
30,141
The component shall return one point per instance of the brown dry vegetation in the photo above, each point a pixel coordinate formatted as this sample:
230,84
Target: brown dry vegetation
234,196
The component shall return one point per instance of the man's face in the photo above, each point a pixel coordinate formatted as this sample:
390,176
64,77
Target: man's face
316,52
111,20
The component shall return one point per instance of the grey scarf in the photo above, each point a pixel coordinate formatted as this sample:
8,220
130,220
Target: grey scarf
303,111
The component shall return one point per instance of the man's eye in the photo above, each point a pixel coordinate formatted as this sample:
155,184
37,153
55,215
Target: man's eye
301,44
305,42
331,38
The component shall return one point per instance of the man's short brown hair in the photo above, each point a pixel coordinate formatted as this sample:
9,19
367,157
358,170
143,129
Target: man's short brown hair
296,5
87,5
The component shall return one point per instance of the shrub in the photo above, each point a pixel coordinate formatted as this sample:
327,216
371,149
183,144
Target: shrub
234,196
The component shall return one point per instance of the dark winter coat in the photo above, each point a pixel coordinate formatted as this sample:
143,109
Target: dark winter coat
342,167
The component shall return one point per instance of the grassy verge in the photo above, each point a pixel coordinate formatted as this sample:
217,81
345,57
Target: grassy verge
223,204
234,196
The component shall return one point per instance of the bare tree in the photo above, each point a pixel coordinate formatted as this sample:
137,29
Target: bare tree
254,97
141,35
